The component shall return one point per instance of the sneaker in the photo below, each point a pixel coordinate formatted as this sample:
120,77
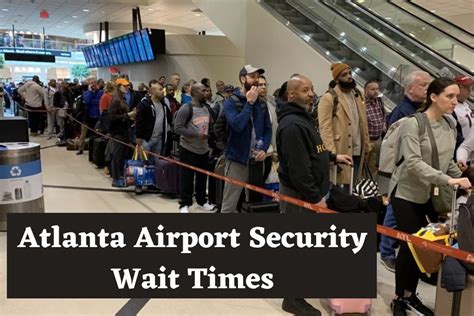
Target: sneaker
389,264
184,209
414,303
120,183
399,308
299,307
206,207
79,152
106,171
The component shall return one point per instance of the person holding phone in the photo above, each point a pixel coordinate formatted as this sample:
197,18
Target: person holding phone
249,133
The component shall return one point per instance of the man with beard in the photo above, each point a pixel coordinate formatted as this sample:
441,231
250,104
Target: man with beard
249,132
193,123
153,122
304,163
343,122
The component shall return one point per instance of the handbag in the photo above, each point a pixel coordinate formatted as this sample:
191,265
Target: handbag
137,172
427,260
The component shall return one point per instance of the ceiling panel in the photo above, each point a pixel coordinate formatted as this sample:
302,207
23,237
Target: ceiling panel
25,15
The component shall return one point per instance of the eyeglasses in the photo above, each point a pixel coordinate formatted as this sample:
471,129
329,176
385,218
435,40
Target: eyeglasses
263,85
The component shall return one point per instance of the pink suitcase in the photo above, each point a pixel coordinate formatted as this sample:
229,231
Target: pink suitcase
341,306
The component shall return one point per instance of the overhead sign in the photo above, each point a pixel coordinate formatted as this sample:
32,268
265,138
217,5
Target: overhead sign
33,51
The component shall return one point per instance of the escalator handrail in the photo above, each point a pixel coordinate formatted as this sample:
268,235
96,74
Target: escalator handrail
361,81
457,27
398,51
311,16
460,68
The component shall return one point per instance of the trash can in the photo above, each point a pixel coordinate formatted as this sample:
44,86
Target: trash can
21,184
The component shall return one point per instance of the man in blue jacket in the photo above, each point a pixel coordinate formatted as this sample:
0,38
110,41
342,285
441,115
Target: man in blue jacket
91,100
249,133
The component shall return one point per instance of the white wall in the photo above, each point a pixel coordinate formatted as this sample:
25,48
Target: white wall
230,16
274,47
192,56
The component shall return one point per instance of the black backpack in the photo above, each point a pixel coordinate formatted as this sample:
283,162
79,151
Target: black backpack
466,229
220,127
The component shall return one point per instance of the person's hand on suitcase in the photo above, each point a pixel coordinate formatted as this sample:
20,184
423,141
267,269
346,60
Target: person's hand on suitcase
461,182
260,155
322,203
344,159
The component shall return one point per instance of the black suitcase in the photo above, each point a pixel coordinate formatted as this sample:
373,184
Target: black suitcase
261,207
256,173
99,146
91,148
14,130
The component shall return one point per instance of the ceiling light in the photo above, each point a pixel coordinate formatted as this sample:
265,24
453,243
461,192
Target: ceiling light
197,14
85,10
5,10
150,9
388,18
433,11
342,34
74,16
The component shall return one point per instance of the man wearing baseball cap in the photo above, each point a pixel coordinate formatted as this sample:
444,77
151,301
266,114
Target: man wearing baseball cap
248,133
462,110
343,125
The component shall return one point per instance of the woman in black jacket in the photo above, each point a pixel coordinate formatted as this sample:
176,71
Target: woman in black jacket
119,117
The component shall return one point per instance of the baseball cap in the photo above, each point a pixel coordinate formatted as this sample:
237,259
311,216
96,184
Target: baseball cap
248,69
229,87
464,81
122,82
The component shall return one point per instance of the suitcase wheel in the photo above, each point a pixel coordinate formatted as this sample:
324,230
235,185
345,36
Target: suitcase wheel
138,190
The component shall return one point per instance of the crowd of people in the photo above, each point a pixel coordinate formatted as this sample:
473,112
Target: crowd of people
306,134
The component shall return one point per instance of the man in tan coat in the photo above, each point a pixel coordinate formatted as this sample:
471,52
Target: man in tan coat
342,119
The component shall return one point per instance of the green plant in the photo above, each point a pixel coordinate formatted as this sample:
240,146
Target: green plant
80,71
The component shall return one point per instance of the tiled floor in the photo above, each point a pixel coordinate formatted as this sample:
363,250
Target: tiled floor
64,168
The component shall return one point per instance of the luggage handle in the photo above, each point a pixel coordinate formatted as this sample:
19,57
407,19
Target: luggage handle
453,212
144,156
351,184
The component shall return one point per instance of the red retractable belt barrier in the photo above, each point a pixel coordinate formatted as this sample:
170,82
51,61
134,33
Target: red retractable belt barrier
417,241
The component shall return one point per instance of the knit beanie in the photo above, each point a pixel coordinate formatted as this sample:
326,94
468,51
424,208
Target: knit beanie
337,69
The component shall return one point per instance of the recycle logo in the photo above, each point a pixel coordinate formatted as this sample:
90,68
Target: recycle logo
15,171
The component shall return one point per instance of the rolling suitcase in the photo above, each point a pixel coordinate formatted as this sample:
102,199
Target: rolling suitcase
91,148
217,196
99,146
457,303
167,176
340,306
261,207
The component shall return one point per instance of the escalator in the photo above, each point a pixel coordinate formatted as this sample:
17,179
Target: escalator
448,47
342,32
338,40
435,21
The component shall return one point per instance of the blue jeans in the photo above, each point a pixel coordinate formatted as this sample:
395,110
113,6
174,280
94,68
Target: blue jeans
387,244
153,145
